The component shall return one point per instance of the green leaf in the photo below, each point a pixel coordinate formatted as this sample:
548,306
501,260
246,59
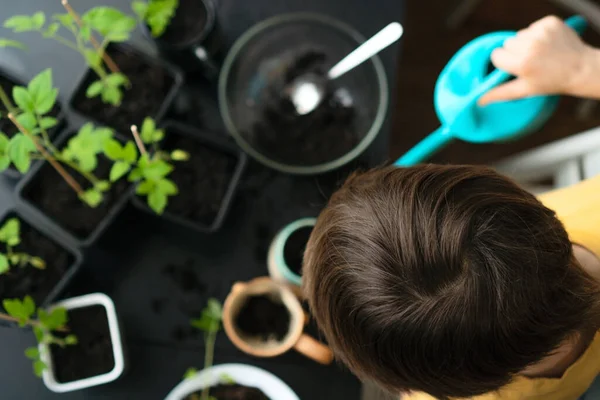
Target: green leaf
148,129
109,21
112,95
129,153
157,201
113,150
92,58
145,187
71,340
102,186
85,32
180,155
19,309
19,151
28,121
32,353
45,103
48,122
12,43
20,23
39,333
51,29
157,169
214,309
10,232
210,320
227,379
92,197
37,262
4,158
40,85
29,305
116,79
94,89
56,319
38,368
119,169
4,264
135,175
38,20
158,15
86,145
65,20
190,373
167,187
118,37
23,99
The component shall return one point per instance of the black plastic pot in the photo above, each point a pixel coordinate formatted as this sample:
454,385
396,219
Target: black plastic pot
201,48
212,144
70,258
25,187
8,81
152,80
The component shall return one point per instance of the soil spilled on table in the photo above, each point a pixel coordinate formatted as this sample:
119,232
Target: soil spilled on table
49,192
232,392
93,355
150,84
293,251
188,22
203,180
324,135
264,318
22,281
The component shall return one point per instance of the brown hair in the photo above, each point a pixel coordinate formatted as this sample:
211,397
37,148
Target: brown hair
444,279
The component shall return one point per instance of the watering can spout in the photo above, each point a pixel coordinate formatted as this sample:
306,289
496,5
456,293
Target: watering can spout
578,23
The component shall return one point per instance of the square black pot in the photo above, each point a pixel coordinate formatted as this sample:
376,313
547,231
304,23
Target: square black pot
134,108
69,256
7,81
42,219
211,143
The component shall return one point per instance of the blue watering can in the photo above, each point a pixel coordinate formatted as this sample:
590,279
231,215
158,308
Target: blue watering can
462,82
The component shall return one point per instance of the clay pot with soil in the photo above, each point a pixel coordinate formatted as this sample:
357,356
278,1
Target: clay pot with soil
207,181
52,202
34,263
8,82
286,252
193,39
97,358
264,318
153,86
244,382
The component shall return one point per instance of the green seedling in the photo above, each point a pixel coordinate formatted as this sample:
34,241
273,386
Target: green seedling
10,235
28,114
45,327
157,14
149,170
111,24
209,323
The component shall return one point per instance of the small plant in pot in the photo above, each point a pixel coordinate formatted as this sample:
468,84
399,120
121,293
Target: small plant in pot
207,181
286,252
52,119
33,263
227,381
185,31
121,86
79,340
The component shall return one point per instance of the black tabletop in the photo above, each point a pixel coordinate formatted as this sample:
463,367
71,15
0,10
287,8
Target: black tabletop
158,274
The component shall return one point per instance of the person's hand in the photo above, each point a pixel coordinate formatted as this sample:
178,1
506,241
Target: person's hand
547,58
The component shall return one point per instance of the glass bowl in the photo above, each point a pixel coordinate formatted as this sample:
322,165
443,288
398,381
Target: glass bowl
258,65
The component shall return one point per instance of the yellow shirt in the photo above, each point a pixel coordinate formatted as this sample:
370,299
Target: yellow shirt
578,207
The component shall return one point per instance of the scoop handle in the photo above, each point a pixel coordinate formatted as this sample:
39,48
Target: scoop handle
436,140
368,49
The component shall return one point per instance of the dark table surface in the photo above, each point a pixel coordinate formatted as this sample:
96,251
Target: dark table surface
131,260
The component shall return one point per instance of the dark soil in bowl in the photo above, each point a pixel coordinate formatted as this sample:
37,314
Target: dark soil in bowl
293,251
203,180
93,355
49,192
232,392
150,85
22,281
262,317
188,23
324,135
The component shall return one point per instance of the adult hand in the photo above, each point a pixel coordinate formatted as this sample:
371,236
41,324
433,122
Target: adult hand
546,58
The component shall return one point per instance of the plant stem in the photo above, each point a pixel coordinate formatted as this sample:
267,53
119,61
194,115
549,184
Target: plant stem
65,175
138,140
107,59
65,42
209,354
87,175
6,101
31,322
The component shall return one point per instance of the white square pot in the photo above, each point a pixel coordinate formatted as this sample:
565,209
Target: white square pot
115,337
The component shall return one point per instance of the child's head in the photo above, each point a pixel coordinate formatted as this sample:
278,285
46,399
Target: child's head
444,279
